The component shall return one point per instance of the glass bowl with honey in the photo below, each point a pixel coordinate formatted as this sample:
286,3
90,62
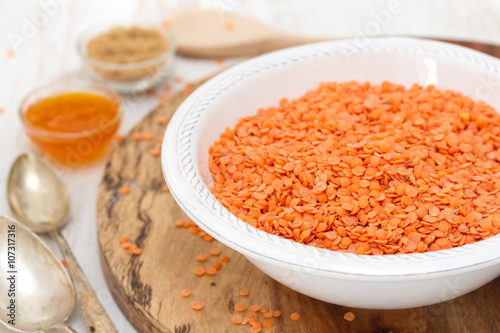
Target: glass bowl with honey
71,120
129,57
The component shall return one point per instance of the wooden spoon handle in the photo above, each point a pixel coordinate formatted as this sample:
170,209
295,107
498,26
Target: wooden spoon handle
282,41
96,318
268,44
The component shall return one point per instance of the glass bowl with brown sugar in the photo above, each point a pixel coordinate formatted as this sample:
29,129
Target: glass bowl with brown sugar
128,57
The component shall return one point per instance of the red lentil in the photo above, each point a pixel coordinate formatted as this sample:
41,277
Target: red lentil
358,168
188,88
211,271
240,307
163,120
208,238
214,251
140,136
124,190
202,257
237,319
197,305
217,266
155,152
229,25
136,251
200,271
349,316
255,308
268,315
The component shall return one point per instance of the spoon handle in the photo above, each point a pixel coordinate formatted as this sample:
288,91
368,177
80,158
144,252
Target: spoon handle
96,318
60,328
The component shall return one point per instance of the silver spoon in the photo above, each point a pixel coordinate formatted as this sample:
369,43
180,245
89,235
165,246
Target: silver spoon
39,199
36,291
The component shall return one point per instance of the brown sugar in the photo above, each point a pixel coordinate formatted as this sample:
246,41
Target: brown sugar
128,54
123,45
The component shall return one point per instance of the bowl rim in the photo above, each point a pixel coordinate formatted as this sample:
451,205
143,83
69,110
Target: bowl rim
95,29
64,86
179,162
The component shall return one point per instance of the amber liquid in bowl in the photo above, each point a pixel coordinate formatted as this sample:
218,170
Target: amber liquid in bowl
73,127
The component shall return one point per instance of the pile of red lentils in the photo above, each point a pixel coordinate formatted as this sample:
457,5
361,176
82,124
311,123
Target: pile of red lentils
366,169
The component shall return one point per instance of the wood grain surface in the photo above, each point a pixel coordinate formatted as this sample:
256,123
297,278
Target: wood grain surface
147,288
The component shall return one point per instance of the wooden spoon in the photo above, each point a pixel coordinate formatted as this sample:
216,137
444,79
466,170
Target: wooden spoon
206,33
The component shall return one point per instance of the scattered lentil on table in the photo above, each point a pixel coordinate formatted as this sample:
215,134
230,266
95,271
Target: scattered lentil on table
211,271
200,271
214,251
202,257
135,249
217,265
163,120
155,152
229,25
240,307
366,169
255,308
237,319
349,316
196,305
124,190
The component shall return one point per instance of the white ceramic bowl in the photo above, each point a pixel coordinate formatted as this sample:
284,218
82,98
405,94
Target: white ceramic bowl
376,282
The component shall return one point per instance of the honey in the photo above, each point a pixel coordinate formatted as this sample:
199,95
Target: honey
73,127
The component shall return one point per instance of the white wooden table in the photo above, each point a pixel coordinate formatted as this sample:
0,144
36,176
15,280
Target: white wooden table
47,52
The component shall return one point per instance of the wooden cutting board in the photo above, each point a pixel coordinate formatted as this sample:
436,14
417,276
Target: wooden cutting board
147,288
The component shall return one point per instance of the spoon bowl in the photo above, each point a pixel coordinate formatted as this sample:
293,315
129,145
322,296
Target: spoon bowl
37,196
36,287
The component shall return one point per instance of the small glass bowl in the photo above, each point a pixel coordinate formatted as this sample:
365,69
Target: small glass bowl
71,148
131,77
